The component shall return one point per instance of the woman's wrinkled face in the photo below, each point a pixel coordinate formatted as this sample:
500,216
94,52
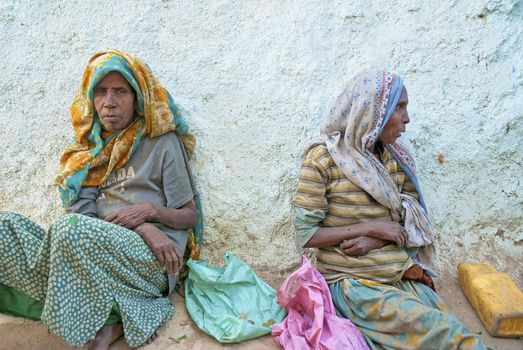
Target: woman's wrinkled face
114,102
396,124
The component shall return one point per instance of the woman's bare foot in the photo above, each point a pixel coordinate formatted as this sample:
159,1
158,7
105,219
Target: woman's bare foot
150,340
106,336
152,337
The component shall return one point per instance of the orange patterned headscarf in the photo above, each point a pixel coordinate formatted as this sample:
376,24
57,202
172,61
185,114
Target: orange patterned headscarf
96,153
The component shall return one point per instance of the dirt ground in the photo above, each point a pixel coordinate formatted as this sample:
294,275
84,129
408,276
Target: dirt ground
181,333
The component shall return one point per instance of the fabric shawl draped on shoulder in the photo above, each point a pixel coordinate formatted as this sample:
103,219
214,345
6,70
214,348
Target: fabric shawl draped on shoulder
95,153
352,129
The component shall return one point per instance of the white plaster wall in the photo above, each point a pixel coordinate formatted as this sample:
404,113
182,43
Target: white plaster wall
254,79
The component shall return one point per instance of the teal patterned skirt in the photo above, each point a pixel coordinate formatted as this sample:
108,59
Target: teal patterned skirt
401,315
77,274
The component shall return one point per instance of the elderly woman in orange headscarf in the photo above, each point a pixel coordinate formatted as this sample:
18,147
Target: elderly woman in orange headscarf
109,264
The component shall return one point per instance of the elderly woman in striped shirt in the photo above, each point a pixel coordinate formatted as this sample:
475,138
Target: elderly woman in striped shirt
359,202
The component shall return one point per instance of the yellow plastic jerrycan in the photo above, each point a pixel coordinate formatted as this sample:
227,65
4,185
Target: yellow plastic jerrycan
495,297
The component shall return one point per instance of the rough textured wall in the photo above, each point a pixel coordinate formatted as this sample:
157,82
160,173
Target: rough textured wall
254,80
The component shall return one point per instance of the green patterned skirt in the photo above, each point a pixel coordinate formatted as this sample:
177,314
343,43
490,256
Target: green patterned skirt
401,315
79,271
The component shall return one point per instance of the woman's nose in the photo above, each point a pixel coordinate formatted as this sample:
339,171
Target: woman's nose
406,118
109,100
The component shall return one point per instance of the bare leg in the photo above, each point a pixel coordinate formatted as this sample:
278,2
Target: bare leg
181,290
106,336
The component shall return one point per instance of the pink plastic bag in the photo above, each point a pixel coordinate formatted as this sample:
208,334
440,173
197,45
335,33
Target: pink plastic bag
312,322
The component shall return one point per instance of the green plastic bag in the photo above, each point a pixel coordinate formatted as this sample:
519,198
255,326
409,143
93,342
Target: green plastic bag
230,303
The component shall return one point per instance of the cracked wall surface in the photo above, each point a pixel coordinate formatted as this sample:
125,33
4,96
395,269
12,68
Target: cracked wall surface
254,80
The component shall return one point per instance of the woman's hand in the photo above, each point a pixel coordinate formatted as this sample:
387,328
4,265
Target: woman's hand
162,246
388,231
361,245
382,230
132,216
